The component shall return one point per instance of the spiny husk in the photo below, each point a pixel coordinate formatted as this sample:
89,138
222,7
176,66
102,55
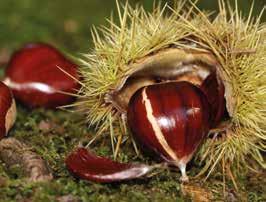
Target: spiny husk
238,44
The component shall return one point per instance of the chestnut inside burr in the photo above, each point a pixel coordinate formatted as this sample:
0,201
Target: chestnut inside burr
169,85
168,65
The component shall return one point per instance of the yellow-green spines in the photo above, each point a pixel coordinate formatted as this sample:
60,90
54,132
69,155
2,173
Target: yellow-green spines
238,43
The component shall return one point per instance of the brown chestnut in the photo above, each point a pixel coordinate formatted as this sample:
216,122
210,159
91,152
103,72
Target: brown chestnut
214,90
35,77
170,119
86,165
7,110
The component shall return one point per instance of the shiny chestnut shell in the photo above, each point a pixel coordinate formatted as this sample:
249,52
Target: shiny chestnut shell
170,119
7,110
214,90
35,79
86,165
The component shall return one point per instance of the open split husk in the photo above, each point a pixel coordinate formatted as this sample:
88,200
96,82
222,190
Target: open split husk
164,44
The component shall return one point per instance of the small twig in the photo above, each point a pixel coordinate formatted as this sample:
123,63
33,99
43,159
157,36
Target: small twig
13,152
238,52
230,174
4,56
223,165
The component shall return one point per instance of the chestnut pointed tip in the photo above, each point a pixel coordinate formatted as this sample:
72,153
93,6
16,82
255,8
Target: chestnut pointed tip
184,177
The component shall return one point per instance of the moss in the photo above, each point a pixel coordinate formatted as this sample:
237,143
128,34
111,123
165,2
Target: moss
54,145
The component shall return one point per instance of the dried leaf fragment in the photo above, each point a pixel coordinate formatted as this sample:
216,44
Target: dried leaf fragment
196,193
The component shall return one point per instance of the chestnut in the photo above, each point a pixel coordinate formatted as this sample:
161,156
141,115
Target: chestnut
38,74
171,119
7,110
88,166
214,90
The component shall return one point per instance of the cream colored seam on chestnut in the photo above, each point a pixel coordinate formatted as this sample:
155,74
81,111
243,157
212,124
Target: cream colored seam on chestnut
10,116
30,85
157,131
124,174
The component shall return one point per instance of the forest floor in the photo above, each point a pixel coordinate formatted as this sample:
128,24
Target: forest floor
52,134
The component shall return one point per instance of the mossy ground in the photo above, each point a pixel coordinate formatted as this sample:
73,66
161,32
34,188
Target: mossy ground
67,26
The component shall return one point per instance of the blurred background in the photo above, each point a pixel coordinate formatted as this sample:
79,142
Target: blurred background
66,23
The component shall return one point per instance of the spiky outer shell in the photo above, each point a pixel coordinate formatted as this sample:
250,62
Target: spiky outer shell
237,43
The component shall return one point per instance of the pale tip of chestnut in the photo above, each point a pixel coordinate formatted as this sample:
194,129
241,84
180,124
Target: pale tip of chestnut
7,110
184,177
